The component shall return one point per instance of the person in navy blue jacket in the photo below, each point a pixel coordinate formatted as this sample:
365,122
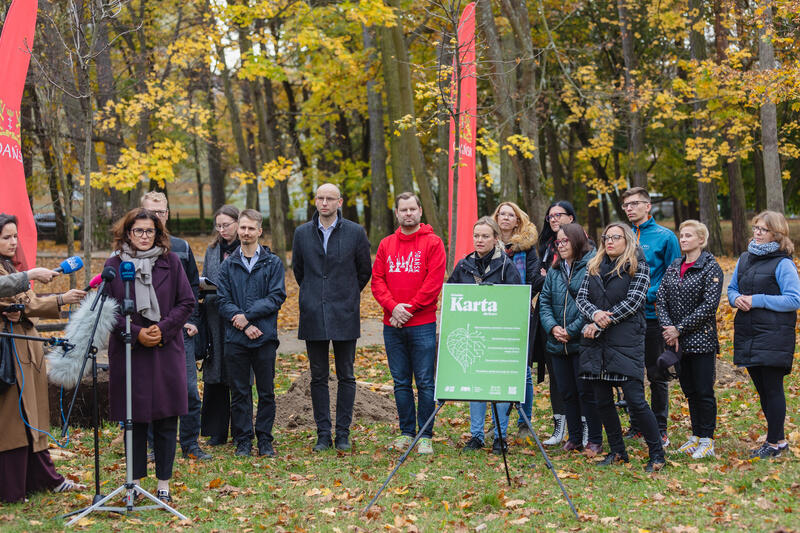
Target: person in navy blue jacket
661,248
251,291
765,290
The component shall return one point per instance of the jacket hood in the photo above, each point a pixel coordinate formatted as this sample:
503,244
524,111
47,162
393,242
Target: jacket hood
524,240
424,229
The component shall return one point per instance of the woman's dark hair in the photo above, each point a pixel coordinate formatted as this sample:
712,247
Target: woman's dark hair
547,236
229,211
123,227
4,221
577,239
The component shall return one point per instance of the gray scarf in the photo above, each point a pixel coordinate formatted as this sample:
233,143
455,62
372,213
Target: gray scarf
763,249
143,261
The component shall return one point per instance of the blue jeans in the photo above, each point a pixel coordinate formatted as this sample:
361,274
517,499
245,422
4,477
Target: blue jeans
411,353
477,417
190,422
527,405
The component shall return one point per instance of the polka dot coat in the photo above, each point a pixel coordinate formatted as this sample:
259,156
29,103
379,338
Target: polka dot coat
690,303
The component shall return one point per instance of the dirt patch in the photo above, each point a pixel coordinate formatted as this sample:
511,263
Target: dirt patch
294,409
728,374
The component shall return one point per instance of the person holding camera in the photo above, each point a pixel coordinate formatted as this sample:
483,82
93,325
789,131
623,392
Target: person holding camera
25,463
686,305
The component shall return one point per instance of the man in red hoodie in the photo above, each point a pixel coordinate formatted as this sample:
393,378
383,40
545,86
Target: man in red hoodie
407,277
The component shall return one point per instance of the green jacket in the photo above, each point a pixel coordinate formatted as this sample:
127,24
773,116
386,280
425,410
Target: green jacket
558,308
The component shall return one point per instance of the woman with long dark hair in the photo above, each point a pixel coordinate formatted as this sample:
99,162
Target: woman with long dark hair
25,464
559,212
611,299
765,290
216,414
163,301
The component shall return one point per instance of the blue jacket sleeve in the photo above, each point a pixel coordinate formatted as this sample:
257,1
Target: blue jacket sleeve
789,298
672,251
546,315
276,294
733,286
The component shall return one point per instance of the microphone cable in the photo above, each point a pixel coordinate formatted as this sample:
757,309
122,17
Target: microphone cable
22,388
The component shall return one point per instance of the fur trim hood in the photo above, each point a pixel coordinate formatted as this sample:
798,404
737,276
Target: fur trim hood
525,239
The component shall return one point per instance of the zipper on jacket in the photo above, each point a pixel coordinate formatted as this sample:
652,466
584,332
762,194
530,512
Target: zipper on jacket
566,295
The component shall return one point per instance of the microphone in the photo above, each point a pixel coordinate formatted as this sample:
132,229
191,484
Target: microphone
70,265
108,274
94,283
127,271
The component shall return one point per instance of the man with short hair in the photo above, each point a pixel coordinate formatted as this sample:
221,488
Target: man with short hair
660,247
332,265
251,291
407,277
189,432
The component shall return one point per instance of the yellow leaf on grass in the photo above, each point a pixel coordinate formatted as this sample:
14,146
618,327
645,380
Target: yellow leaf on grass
214,483
514,503
519,521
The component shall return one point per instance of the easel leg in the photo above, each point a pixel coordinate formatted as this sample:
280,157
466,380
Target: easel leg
503,446
404,456
547,460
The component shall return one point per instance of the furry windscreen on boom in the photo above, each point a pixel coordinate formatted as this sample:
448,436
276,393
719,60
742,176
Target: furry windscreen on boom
64,368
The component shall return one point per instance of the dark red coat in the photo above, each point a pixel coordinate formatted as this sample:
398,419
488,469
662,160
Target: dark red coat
158,374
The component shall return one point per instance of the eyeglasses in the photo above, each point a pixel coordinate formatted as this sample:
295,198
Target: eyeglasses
562,242
220,227
159,212
614,238
634,204
556,216
328,199
139,232
760,229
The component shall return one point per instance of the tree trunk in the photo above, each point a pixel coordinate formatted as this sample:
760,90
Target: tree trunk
379,190
760,181
39,127
638,176
769,119
561,187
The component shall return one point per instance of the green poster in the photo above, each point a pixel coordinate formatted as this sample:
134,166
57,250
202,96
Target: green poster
483,342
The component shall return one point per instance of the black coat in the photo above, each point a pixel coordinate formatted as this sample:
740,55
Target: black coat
501,270
330,283
258,294
690,303
182,249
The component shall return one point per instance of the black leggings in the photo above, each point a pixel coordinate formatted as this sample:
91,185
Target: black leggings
769,384
697,376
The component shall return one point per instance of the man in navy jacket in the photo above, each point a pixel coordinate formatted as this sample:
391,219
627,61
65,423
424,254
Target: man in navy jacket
331,263
251,291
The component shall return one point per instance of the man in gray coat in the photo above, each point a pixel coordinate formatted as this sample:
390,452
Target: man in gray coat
18,282
331,263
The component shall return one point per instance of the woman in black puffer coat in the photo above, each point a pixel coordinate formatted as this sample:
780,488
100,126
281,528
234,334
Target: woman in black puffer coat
686,305
611,299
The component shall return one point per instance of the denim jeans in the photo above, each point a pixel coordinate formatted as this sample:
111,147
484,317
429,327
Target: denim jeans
527,405
411,353
477,417
190,422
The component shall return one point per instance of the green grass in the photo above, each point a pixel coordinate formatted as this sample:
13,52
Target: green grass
454,491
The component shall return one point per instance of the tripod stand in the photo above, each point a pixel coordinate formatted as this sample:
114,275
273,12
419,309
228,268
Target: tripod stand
129,487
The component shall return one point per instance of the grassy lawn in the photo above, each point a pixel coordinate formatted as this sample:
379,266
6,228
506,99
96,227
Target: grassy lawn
452,491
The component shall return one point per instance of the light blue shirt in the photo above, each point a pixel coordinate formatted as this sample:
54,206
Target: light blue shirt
326,232
250,263
788,282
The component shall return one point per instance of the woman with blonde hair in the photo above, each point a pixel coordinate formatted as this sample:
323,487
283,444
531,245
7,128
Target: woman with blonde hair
518,238
686,306
765,290
611,298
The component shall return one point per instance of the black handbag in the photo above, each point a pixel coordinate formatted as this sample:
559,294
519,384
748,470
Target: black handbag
8,374
203,344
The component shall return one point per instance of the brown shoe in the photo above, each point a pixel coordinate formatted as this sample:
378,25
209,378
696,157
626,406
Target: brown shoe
570,446
593,449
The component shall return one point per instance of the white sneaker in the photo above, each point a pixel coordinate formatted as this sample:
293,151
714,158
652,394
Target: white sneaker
690,445
425,446
704,449
402,443
559,431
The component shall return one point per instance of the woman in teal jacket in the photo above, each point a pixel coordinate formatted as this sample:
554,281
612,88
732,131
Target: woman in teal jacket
562,321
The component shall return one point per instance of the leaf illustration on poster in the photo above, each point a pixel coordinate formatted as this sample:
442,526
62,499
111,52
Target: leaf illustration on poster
466,346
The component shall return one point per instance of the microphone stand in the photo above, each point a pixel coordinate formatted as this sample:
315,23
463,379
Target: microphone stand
130,488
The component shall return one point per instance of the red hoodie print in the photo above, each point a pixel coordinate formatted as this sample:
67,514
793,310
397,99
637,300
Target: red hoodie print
409,269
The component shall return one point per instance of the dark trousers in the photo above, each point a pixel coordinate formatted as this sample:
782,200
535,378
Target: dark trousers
22,472
190,422
634,395
769,384
697,376
164,431
239,361
578,399
659,386
344,356
216,412
556,397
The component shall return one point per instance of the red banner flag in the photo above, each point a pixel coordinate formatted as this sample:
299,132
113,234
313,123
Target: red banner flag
467,197
16,42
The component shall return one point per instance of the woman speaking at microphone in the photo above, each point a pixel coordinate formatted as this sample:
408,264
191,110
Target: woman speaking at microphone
162,302
25,464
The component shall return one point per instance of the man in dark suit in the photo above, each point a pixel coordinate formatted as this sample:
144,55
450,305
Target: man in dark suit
331,263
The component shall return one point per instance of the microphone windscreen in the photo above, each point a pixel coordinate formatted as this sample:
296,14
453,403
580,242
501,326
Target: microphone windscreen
70,265
108,274
127,271
97,280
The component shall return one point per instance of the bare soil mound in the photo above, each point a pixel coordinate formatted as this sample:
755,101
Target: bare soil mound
294,407
728,374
